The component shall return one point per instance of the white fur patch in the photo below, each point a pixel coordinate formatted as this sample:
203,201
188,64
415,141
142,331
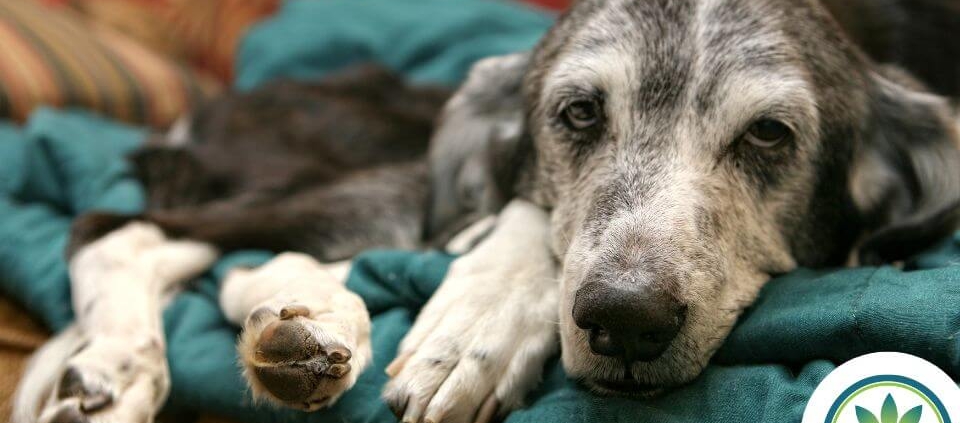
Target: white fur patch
483,338
119,284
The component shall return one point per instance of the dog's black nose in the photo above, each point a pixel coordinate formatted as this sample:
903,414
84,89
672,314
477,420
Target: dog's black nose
634,324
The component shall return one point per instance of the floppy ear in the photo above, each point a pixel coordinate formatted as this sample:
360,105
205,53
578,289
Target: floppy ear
906,178
477,149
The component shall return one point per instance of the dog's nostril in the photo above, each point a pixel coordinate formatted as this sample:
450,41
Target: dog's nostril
601,342
636,324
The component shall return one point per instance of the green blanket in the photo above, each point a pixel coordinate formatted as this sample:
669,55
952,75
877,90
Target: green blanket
61,164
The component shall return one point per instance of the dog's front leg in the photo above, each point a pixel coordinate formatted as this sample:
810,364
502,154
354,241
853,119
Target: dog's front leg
119,281
306,337
480,343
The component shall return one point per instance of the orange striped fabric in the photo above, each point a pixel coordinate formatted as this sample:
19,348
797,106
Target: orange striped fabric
54,57
204,33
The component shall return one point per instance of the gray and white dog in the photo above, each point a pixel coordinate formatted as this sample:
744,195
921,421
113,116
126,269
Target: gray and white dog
669,156
653,163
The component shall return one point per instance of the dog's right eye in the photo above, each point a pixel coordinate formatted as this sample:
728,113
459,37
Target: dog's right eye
581,115
766,133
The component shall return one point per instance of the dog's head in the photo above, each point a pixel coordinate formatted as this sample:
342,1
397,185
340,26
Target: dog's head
689,149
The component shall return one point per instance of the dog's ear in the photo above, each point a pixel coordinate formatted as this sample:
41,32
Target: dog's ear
476,150
906,178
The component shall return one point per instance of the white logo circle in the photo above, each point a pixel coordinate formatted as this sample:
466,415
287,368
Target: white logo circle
885,387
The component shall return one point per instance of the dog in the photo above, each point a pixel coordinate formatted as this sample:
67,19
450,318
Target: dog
323,169
670,156
653,163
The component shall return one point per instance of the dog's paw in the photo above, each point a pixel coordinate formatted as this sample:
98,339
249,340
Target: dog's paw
306,345
476,348
110,380
292,360
118,281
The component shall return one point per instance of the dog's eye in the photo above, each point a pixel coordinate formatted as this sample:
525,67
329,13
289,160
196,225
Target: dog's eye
767,133
581,115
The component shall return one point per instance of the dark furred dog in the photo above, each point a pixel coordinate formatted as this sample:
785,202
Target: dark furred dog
327,169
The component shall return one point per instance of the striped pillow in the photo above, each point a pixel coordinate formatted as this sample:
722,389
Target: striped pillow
51,56
204,33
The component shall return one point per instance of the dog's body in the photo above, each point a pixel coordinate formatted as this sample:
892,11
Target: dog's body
327,169
664,158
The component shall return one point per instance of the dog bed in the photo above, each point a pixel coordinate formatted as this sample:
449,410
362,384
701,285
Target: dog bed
64,163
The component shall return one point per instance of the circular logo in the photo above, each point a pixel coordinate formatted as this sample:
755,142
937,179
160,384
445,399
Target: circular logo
885,388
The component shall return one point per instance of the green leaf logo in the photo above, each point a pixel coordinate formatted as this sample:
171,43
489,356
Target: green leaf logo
912,416
865,416
889,414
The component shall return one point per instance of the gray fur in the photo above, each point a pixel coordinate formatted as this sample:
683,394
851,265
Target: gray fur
667,186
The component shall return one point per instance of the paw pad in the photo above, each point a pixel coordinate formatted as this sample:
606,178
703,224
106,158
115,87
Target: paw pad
286,341
291,364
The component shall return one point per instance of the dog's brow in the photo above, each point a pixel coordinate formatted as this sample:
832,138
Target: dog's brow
734,38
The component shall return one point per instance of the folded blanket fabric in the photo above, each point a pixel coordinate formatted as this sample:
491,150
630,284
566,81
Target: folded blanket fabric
61,164
426,40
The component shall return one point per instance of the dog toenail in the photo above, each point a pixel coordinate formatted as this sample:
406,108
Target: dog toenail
397,364
338,370
259,315
292,311
488,410
397,409
339,355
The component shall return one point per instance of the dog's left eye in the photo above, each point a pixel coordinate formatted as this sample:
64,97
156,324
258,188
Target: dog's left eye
581,115
767,133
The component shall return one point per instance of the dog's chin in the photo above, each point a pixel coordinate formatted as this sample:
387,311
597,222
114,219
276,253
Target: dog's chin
608,376
626,385
623,388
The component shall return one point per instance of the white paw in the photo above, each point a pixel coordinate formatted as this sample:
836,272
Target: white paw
306,345
477,347
111,380
120,374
